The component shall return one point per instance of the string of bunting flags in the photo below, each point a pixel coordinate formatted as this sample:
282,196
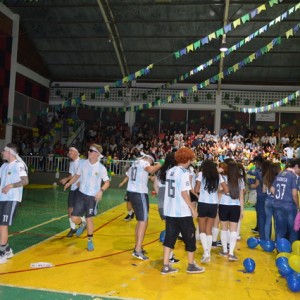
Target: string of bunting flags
217,58
194,46
181,94
269,107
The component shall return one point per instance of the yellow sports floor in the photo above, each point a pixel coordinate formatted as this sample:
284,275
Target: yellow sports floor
111,271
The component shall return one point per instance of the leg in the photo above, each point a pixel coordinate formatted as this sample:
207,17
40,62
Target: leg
224,237
140,234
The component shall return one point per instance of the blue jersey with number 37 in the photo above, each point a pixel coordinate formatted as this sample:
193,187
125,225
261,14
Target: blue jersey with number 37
284,183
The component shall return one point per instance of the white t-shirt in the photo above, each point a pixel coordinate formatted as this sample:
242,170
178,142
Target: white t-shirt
91,177
138,177
72,170
177,181
11,173
205,196
226,199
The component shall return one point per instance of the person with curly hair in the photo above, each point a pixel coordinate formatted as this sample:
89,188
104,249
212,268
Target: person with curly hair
208,182
179,212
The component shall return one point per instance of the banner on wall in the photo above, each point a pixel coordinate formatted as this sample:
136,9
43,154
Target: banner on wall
265,117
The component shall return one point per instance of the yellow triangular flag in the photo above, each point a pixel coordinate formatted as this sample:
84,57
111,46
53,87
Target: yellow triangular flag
236,23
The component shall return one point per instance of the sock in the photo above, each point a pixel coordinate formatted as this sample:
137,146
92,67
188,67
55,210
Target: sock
130,212
233,236
224,240
72,224
215,233
203,240
228,235
171,255
3,248
209,243
83,220
90,237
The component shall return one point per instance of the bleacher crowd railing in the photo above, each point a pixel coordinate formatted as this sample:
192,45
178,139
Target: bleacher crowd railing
61,164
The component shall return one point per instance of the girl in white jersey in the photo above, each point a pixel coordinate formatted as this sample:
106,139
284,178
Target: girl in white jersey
208,182
231,209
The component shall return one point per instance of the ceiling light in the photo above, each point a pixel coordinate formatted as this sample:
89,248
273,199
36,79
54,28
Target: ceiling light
223,47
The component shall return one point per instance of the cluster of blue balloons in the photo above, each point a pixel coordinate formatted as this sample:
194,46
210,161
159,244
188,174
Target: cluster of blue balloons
288,263
268,246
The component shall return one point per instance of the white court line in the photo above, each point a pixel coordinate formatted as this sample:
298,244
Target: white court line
69,292
36,226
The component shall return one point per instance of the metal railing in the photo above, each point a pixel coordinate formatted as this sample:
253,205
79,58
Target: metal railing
61,164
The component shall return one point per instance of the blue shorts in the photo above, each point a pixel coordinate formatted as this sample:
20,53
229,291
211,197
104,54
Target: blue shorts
84,206
140,205
7,212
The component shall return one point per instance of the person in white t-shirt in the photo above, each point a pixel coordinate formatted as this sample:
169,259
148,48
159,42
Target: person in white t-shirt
75,160
91,173
208,182
179,212
13,176
137,192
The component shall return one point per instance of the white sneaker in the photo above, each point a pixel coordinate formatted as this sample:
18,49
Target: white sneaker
3,259
205,259
9,253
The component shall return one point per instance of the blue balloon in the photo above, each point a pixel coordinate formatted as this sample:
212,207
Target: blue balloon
283,245
293,282
252,242
282,264
268,246
162,236
249,265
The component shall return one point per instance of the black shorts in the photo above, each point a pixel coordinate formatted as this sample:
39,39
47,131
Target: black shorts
72,198
7,212
186,226
229,213
140,205
126,197
84,205
194,198
207,210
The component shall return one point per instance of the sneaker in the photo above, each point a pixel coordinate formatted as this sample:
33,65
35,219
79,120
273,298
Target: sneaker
3,258
224,254
232,258
205,259
173,260
219,244
128,218
8,253
90,245
168,270
214,244
139,255
71,232
144,251
80,229
254,230
194,269
132,216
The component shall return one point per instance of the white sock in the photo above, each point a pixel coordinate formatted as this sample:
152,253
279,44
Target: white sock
224,240
228,235
83,220
209,243
233,236
203,240
171,254
130,212
197,233
72,224
215,233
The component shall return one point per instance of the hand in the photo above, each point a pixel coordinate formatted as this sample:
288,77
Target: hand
63,181
241,215
66,186
120,185
6,189
194,213
98,196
